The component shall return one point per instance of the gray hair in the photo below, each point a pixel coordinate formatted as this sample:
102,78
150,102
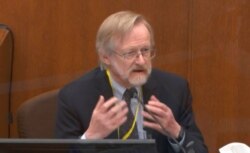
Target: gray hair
115,27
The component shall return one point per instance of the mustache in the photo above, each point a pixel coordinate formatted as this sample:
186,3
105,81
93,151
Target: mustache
139,68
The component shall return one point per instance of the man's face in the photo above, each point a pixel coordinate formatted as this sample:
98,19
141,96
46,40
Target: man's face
131,69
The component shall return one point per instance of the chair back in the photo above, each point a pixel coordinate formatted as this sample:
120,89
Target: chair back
36,116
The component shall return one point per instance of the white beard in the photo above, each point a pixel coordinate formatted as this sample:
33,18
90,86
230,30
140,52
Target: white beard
139,79
134,79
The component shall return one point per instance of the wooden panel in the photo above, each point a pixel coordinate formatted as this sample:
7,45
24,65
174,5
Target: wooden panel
204,41
55,40
5,78
221,70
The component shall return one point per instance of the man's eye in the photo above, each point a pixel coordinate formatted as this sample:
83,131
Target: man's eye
131,53
145,49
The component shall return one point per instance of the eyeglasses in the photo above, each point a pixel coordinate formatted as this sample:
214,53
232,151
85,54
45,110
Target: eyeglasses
133,53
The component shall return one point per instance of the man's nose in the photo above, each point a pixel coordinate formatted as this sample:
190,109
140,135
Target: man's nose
140,59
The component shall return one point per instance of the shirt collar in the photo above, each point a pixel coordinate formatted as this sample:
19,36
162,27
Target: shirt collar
118,89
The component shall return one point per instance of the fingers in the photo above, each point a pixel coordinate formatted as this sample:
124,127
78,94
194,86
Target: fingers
160,117
114,111
110,103
157,108
154,98
152,125
118,109
105,107
155,102
107,116
151,122
148,116
100,102
120,117
151,119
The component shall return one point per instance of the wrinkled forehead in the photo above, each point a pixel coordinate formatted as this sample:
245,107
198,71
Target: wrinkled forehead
139,33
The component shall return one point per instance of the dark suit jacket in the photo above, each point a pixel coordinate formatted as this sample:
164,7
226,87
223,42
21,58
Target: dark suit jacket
78,99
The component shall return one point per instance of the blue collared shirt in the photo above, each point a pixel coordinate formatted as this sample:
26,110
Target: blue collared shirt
118,91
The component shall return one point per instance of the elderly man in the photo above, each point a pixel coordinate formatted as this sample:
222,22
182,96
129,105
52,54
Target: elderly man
125,98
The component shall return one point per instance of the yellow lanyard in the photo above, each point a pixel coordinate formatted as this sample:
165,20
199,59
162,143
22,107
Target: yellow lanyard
125,137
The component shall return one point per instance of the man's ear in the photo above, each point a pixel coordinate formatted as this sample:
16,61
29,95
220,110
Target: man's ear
104,58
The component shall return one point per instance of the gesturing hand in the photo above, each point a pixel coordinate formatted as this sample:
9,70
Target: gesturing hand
160,118
107,116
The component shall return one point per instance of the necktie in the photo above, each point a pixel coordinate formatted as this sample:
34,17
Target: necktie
124,129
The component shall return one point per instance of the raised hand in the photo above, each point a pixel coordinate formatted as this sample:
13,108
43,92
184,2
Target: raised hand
160,118
107,116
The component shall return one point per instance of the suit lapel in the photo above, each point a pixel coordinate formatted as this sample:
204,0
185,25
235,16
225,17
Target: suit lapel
105,89
149,89
103,85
